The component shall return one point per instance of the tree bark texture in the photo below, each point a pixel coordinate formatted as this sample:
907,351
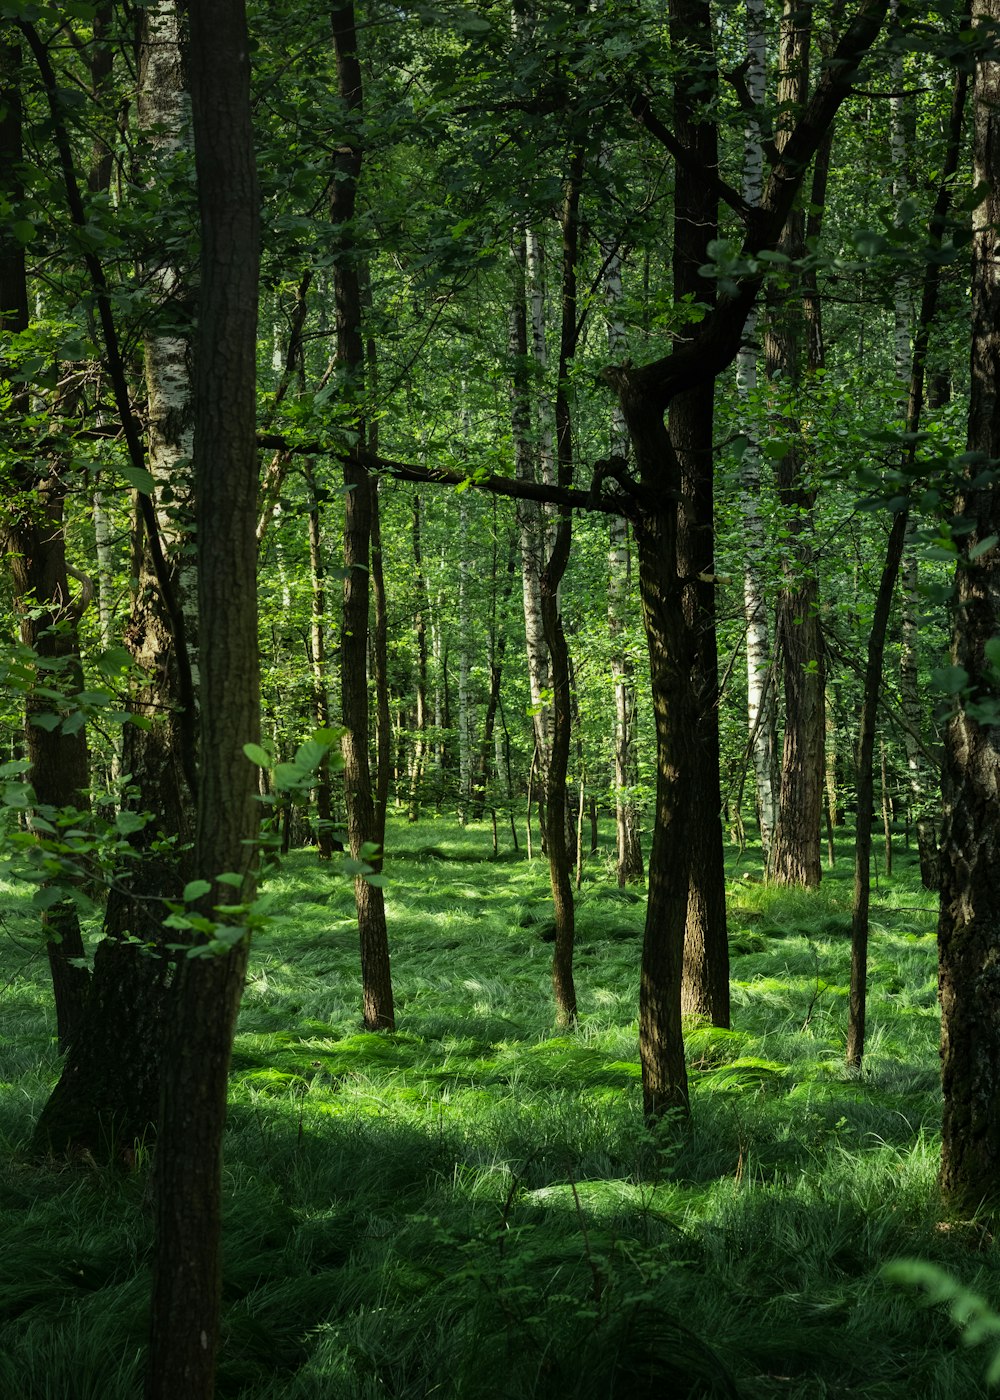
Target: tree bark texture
969,927
205,994
557,815
705,991
362,826
795,859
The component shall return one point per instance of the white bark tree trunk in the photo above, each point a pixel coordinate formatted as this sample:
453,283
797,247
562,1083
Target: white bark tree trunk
761,689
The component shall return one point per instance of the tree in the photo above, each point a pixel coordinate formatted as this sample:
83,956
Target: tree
206,990
360,504
969,927
107,1096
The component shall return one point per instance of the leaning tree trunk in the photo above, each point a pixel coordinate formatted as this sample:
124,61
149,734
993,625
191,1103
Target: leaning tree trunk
33,539
890,571
205,993
969,928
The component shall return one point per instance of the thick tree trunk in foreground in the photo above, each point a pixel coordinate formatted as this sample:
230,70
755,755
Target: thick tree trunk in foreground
205,996
969,928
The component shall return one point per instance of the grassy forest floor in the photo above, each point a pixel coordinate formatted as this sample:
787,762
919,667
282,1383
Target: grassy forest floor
471,1208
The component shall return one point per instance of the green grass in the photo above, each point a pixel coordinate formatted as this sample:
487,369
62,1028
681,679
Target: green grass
472,1209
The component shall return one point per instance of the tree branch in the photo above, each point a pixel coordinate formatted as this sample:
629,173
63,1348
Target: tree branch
642,109
629,501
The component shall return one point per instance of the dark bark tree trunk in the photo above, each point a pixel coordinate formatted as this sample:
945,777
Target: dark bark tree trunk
705,991
557,816
205,994
499,599
969,928
325,844
380,673
795,858
645,394
420,633
362,825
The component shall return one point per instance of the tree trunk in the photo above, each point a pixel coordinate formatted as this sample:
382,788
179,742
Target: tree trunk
317,658
531,528
969,928
205,995
557,814
108,1094
420,632
362,826
32,537
644,394
761,707
705,992
796,854
917,363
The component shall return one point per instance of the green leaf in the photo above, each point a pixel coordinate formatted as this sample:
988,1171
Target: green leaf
327,736
228,935
47,896
310,755
950,679
19,795
47,721
112,662
128,822
231,878
257,755
983,547
195,889
140,478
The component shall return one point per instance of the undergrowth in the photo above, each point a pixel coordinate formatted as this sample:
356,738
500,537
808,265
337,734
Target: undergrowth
472,1209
